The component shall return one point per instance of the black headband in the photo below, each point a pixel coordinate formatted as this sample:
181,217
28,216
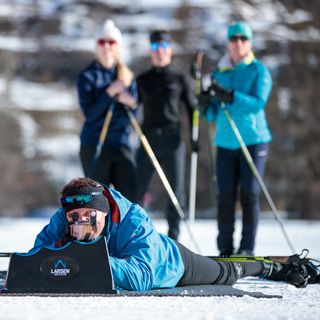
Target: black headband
98,200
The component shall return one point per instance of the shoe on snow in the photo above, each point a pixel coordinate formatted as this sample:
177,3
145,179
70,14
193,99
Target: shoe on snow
297,270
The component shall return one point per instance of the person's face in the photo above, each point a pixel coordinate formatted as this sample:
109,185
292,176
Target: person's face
82,216
161,53
239,46
107,52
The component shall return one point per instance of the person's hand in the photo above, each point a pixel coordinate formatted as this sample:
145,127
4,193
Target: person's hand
115,88
204,98
221,94
127,99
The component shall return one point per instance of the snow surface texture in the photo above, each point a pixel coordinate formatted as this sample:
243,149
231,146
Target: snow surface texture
18,235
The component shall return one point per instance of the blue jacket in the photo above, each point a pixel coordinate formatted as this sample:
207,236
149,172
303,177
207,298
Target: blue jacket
95,103
252,83
140,257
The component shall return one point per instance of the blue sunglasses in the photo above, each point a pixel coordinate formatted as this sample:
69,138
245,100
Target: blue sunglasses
79,199
155,46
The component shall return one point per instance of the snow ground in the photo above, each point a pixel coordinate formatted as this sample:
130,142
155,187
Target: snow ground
18,235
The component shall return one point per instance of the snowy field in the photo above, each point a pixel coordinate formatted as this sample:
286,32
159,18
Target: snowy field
18,235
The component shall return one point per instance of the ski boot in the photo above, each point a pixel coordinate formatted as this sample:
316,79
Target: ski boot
297,270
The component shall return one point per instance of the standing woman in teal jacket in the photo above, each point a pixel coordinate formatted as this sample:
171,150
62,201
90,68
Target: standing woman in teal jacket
242,84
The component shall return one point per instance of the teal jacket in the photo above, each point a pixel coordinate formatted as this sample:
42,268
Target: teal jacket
252,84
140,257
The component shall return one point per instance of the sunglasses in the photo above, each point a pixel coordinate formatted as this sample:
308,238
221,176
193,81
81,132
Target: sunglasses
102,42
79,199
236,38
155,46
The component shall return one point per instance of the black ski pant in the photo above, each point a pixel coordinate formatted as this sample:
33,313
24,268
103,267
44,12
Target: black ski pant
116,166
201,270
233,172
169,150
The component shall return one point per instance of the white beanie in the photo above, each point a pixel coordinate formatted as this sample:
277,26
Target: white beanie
110,31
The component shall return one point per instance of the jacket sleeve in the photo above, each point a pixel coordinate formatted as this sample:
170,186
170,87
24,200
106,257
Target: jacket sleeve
52,232
134,266
258,97
92,107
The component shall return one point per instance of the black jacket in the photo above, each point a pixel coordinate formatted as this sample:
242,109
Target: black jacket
161,91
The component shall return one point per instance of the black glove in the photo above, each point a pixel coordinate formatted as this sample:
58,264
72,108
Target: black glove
204,100
221,94
195,146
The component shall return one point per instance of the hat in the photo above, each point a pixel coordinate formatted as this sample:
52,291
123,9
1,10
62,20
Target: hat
95,199
240,27
159,35
110,31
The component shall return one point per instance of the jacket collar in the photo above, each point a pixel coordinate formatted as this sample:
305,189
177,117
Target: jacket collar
161,69
119,205
226,64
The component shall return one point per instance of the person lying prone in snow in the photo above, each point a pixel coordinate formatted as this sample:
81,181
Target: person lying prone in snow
140,257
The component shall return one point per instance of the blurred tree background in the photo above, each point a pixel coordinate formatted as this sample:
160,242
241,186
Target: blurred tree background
45,42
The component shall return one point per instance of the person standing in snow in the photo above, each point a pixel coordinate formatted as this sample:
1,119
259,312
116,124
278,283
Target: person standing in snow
107,83
140,257
162,90
242,84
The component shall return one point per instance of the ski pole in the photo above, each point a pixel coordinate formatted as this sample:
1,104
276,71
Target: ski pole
236,258
302,258
160,172
193,167
196,72
256,173
103,135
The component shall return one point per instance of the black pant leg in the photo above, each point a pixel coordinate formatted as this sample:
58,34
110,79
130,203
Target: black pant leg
173,160
124,177
249,194
226,220
227,169
200,270
250,215
101,171
145,168
86,157
115,165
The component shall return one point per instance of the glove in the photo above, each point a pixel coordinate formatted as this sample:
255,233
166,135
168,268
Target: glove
221,94
195,146
204,100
